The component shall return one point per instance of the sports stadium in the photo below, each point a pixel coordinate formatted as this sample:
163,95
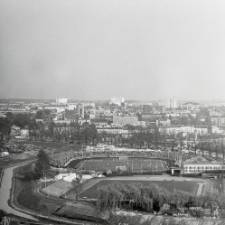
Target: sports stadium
123,160
105,165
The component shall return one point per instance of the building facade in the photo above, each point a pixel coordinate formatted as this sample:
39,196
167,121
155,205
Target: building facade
61,100
117,100
125,120
190,168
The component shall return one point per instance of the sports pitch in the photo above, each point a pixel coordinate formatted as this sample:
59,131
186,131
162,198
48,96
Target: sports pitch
170,186
124,163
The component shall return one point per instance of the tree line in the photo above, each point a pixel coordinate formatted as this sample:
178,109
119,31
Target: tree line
138,137
152,198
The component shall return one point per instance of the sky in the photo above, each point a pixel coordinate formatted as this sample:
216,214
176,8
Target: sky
95,50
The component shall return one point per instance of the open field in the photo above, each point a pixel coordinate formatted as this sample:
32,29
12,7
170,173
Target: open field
125,163
187,186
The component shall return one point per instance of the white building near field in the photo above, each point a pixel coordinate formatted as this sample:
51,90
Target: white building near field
69,177
190,167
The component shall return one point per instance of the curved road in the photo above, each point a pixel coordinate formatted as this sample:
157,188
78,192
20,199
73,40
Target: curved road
6,185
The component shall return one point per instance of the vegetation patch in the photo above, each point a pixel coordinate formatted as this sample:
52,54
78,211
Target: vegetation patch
153,198
80,211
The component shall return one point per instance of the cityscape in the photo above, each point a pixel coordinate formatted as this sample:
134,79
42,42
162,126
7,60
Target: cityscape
62,152
112,112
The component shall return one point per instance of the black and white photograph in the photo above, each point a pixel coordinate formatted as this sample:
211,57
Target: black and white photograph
112,112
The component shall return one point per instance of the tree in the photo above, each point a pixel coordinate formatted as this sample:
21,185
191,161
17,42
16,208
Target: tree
43,164
89,133
5,127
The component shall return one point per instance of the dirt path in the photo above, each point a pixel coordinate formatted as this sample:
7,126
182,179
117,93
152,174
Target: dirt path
199,190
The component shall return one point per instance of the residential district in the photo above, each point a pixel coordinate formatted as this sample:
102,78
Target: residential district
112,162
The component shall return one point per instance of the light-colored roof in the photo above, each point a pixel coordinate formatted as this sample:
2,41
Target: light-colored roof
204,163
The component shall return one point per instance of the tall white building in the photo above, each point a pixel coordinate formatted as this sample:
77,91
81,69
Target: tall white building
117,100
61,100
172,103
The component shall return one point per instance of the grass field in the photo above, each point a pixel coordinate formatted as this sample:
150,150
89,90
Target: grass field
113,163
187,186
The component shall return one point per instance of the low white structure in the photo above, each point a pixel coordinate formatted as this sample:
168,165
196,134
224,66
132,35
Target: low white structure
217,130
69,177
2,154
24,133
86,176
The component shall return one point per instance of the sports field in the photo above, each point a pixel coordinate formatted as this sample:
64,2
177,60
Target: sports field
171,186
123,163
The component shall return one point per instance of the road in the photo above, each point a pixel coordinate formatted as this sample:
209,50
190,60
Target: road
6,184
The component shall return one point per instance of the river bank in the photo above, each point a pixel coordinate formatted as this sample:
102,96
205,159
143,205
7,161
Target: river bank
5,194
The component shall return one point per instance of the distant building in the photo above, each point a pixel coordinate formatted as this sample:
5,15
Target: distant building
56,108
151,116
147,108
113,131
184,129
125,120
24,133
117,100
86,104
190,105
70,116
218,121
71,107
164,123
217,130
81,110
171,104
61,100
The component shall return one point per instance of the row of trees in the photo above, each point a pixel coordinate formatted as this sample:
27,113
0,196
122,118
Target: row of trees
20,120
138,137
151,198
86,133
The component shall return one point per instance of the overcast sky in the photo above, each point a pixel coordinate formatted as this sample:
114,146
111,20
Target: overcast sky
136,49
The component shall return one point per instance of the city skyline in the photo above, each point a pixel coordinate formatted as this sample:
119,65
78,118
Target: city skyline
141,50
